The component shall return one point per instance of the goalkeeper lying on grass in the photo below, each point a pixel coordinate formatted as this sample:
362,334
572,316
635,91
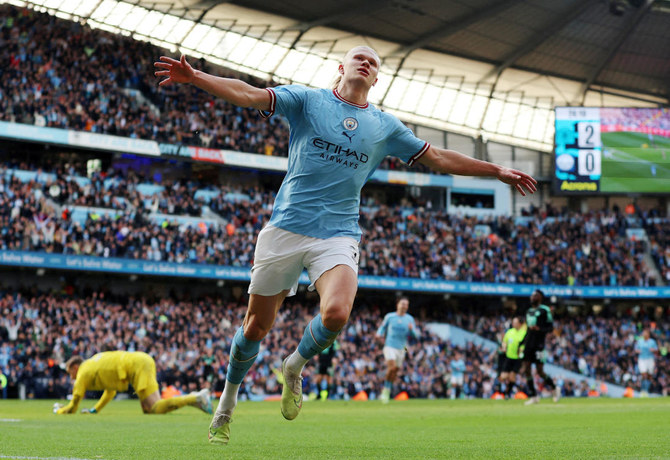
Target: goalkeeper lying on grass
113,371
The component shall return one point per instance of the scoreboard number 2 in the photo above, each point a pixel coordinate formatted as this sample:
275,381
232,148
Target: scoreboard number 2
588,163
588,133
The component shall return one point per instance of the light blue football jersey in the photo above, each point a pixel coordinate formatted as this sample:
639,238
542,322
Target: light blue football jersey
334,147
646,348
396,330
457,368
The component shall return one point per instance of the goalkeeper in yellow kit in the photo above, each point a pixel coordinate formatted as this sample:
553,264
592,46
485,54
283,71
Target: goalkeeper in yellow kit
113,371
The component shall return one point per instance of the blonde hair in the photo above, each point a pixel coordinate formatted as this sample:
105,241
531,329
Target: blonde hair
338,79
74,361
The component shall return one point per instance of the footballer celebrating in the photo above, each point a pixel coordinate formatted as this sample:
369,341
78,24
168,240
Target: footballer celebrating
337,140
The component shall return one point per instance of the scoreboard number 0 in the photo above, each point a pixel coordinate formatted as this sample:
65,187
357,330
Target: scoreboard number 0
588,163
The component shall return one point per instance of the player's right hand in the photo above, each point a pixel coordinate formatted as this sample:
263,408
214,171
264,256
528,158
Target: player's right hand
176,71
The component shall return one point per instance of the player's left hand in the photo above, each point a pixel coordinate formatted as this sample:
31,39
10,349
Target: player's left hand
519,179
89,411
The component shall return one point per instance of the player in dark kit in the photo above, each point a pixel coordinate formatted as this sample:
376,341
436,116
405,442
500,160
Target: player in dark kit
540,322
325,369
500,362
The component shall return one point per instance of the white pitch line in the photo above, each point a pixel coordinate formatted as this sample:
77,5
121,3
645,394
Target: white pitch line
635,159
42,458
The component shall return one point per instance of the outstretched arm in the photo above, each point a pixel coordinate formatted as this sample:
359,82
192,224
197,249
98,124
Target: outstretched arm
452,162
231,90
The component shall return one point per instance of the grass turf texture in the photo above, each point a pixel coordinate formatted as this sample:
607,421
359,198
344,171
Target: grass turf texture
629,168
573,428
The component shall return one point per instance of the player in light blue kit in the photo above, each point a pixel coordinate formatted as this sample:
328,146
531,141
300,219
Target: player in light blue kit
646,349
337,140
457,366
395,329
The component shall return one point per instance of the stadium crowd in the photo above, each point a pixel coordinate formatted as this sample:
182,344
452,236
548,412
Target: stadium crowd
658,231
63,74
189,340
635,118
564,248
570,249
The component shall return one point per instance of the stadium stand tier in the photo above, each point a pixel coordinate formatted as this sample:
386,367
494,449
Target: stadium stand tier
63,74
190,342
118,215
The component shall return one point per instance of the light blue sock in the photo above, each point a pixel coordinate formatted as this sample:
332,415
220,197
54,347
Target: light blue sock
316,338
243,353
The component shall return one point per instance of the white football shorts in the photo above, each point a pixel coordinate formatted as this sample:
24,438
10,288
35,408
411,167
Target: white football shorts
457,380
281,256
394,354
646,365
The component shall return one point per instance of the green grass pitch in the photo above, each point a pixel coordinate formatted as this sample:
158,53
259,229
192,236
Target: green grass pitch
415,429
629,166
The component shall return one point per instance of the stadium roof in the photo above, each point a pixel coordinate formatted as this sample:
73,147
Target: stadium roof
624,45
481,67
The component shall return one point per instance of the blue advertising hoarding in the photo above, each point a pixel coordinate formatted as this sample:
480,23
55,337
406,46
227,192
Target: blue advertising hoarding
151,268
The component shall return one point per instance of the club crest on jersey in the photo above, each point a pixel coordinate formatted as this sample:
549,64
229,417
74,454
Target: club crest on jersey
350,123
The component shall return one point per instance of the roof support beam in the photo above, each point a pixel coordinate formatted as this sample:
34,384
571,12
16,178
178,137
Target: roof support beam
611,51
207,4
363,7
451,28
288,50
95,8
303,27
205,9
546,32
457,25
